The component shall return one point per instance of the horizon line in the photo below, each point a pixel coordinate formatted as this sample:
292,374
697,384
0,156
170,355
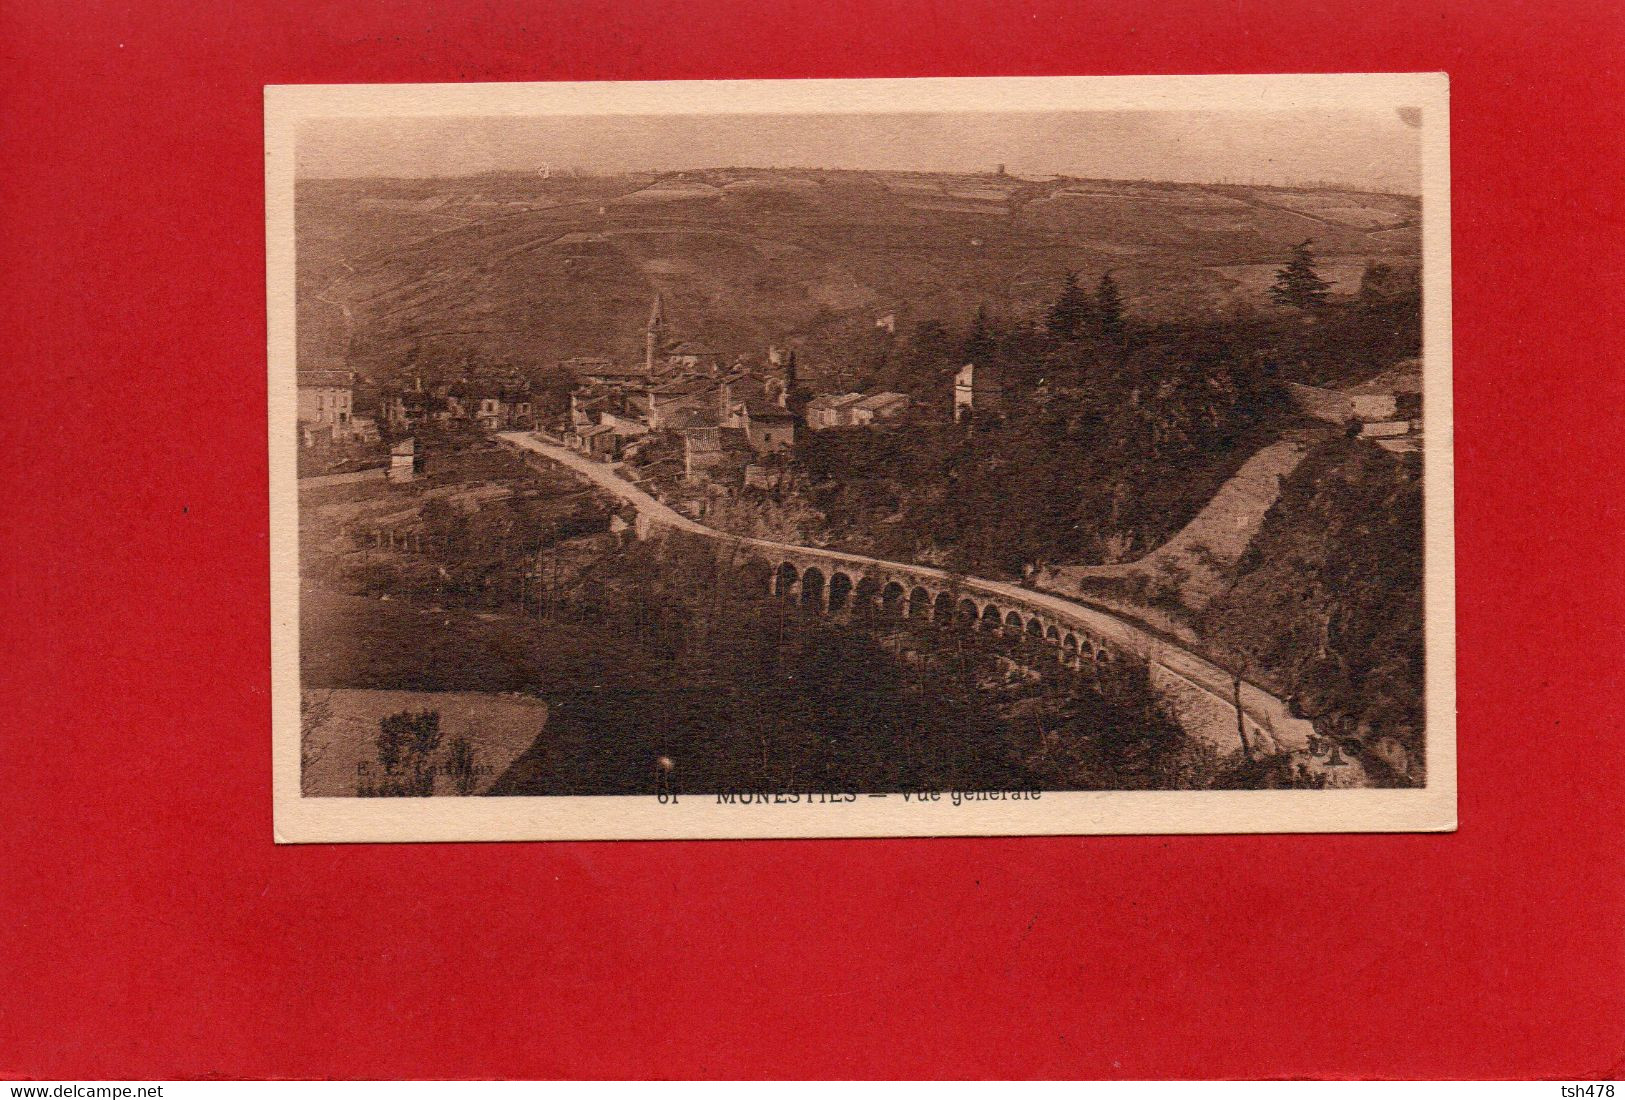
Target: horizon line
587,173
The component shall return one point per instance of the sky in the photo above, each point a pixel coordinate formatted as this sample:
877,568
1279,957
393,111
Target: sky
1376,149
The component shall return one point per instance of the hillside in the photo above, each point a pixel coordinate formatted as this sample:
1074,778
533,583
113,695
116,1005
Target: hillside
1325,606
526,271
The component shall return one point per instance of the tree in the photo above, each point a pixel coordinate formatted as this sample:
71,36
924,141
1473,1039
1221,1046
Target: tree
461,766
406,735
1297,284
1070,313
979,342
1109,307
406,743
927,353
1384,287
930,341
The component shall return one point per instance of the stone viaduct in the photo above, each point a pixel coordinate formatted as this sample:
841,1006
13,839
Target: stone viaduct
1204,696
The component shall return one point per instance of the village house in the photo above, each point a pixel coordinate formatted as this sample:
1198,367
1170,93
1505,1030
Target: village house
713,451
768,428
608,438
697,430
599,441
702,450
325,399
587,402
490,410
405,463
831,410
624,426
664,401
743,384
881,406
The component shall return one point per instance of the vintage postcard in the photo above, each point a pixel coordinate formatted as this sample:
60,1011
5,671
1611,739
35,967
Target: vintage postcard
861,458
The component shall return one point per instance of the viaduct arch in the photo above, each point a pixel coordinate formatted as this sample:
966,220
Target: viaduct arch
834,582
854,587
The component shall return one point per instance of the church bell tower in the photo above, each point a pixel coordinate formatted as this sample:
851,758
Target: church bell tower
654,336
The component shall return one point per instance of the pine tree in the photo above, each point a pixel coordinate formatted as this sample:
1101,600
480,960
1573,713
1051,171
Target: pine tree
1070,313
1297,284
1109,307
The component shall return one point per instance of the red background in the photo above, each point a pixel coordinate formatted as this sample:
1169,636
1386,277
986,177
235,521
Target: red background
151,929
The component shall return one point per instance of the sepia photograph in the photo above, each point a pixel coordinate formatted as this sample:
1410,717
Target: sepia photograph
921,540
861,458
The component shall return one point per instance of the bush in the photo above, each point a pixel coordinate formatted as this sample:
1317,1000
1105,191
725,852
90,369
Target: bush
406,743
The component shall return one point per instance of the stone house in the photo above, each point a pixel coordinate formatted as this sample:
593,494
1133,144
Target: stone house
624,426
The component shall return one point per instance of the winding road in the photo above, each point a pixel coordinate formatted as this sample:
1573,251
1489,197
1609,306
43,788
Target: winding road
1202,692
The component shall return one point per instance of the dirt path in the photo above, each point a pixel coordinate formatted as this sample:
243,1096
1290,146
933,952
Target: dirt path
1199,557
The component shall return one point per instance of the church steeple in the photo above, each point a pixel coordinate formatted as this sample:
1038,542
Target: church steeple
654,334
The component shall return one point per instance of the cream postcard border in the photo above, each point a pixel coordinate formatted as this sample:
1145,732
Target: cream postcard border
305,820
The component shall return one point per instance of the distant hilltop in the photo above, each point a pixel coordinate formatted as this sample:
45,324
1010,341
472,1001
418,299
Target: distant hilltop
526,269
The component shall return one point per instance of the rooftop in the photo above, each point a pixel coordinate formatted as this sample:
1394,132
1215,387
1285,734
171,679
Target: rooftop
834,400
689,419
881,400
608,368
681,387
